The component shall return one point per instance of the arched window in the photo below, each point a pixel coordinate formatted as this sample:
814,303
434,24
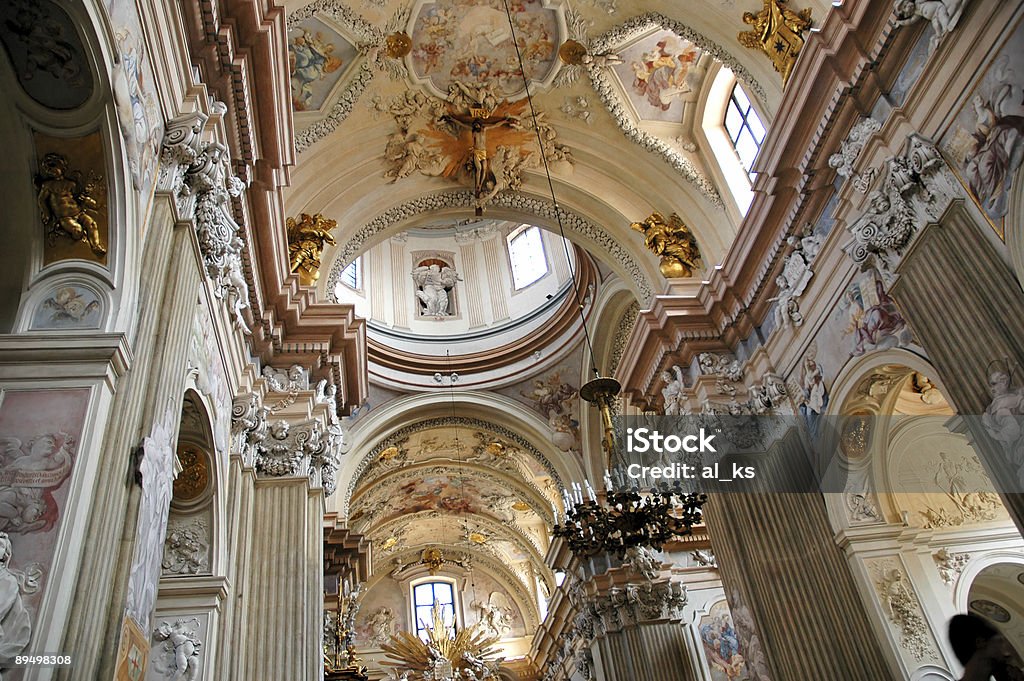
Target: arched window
424,596
746,132
352,276
526,255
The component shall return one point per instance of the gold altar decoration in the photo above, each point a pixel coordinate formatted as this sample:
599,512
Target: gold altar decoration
70,204
444,653
673,241
306,240
778,32
432,558
397,45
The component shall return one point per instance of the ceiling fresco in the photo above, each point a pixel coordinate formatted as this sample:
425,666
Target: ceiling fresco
470,41
659,74
318,56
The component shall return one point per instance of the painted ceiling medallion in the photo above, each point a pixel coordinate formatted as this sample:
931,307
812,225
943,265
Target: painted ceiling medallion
470,41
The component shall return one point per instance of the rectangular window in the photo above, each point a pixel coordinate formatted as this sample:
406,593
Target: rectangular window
746,132
425,596
352,276
526,255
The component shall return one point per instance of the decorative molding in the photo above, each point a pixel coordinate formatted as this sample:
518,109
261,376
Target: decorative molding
622,332
633,604
903,609
462,198
186,548
282,448
915,187
950,565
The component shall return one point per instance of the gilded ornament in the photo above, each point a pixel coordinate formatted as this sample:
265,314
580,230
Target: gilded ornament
521,506
306,241
397,45
673,241
778,32
478,538
194,476
388,454
433,559
68,203
572,52
445,653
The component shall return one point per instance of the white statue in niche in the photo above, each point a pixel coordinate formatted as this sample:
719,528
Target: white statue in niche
434,282
15,622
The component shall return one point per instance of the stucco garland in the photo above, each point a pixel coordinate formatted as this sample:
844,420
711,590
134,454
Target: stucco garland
464,199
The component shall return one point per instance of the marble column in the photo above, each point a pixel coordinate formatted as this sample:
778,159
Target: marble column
282,622
953,262
788,584
629,624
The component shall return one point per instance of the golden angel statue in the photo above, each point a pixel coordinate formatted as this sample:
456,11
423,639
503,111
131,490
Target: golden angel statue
673,241
67,204
306,240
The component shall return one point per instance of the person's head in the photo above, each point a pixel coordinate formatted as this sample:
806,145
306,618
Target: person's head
968,633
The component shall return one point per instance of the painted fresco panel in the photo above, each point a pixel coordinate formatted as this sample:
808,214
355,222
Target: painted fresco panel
470,41
317,57
39,435
985,143
657,74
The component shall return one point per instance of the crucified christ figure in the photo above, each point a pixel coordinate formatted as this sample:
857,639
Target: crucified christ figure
478,126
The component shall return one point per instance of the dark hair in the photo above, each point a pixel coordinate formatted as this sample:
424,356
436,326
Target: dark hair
964,633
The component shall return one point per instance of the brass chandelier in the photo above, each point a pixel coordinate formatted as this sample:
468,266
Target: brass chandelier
623,516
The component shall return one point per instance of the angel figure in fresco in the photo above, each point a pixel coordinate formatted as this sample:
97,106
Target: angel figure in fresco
998,143
311,60
434,282
660,74
28,476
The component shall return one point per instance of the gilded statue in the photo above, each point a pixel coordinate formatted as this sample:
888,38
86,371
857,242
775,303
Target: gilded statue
673,241
306,241
778,32
68,204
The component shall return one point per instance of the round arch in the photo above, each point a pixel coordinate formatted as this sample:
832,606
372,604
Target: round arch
423,410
